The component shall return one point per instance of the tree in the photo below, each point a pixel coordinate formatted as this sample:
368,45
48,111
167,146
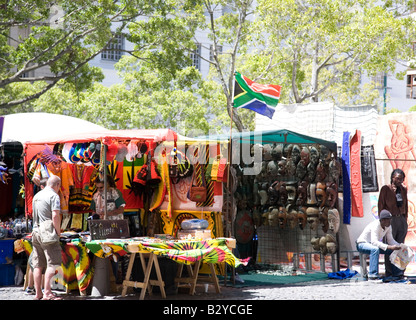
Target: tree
64,35
146,99
314,48
226,23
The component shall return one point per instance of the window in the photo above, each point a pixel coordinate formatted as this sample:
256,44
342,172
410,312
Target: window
211,52
411,86
196,57
113,51
379,80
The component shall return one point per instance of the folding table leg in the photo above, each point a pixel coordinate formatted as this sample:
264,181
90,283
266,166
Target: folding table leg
128,274
214,278
147,271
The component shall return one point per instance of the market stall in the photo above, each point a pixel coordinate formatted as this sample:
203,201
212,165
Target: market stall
15,130
153,172
285,196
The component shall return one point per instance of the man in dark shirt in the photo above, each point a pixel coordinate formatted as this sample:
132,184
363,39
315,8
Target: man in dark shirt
393,197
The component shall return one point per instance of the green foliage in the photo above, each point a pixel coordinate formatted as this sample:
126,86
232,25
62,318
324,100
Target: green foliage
319,49
315,49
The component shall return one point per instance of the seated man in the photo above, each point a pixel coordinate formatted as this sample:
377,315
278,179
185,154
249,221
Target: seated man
370,242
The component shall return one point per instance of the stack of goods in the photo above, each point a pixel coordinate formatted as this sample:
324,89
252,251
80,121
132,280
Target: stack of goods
194,229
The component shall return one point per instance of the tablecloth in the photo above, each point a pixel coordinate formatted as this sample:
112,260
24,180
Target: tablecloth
181,251
76,264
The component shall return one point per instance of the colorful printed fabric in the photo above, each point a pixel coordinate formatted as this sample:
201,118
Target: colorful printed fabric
107,248
186,252
76,266
77,272
189,252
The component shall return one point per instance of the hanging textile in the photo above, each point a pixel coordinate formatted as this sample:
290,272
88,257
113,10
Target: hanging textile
63,171
209,183
346,191
357,209
165,184
80,195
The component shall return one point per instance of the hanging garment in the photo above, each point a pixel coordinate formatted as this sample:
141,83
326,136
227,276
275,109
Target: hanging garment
208,181
81,194
357,209
346,186
63,171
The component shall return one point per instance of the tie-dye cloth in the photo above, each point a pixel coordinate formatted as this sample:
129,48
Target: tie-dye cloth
184,251
76,264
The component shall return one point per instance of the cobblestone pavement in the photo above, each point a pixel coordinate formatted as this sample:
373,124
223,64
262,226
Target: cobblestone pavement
314,290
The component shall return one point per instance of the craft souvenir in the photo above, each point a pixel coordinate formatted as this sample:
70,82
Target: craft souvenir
320,194
291,189
322,245
121,152
272,169
273,193
325,155
267,152
290,167
132,150
244,227
87,153
265,216
73,153
331,194
81,152
282,217
66,150
315,243
273,217
302,217
323,219
321,173
96,158
283,196
184,166
292,217
112,150
277,152
301,170
313,217
331,243
311,194
263,172
198,193
334,170
302,193
305,156
333,220
287,150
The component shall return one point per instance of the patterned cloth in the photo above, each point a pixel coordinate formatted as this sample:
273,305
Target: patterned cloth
107,248
186,252
76,265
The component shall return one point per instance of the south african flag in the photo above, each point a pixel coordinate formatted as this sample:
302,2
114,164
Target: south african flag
261,98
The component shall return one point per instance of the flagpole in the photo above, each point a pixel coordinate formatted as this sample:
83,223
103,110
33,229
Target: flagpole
229,195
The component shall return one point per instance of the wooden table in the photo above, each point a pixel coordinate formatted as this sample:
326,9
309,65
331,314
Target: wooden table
194,276
147,268
193,273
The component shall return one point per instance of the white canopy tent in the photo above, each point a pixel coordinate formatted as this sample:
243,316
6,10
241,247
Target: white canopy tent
34,126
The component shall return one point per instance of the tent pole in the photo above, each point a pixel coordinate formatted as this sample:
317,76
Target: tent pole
104,155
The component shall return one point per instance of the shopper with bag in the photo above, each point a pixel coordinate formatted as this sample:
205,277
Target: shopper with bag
370,242
45,237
